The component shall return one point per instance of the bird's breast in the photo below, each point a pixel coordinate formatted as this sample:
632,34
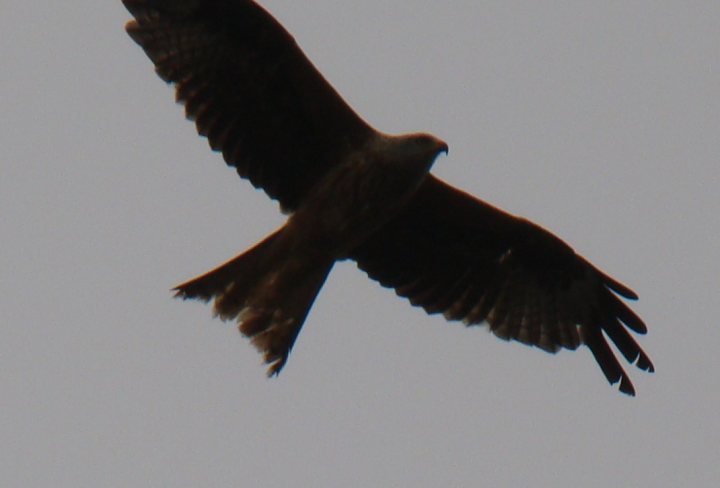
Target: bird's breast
351,203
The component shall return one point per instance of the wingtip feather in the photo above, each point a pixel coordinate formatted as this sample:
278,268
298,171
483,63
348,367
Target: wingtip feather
626,386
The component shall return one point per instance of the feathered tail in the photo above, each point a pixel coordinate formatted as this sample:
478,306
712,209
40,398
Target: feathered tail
269,289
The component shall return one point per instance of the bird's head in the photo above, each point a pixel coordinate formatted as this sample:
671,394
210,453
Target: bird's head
420,150
428,145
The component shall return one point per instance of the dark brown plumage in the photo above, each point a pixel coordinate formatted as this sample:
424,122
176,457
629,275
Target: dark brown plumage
355,193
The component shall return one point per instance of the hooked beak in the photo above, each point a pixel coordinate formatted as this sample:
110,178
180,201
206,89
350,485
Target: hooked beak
443,148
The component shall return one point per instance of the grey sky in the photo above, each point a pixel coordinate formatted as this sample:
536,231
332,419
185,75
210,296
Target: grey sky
597,120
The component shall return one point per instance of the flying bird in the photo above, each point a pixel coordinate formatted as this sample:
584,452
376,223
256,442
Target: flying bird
353,192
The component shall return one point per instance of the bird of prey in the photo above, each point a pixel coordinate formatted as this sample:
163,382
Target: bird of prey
353,192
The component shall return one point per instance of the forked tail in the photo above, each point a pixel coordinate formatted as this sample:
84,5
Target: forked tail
269,289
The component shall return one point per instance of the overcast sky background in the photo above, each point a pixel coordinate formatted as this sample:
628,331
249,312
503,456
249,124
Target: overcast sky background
597,120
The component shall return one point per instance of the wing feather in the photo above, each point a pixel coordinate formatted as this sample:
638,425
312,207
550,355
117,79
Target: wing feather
250,90
451,253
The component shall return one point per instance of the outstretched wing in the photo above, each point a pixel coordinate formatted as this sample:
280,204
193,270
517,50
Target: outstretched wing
250,90
451,253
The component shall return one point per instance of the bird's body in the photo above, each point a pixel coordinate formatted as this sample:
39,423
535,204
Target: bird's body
343,210
353,192
370,187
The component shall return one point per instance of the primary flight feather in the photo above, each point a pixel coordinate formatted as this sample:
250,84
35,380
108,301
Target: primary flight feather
353,192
